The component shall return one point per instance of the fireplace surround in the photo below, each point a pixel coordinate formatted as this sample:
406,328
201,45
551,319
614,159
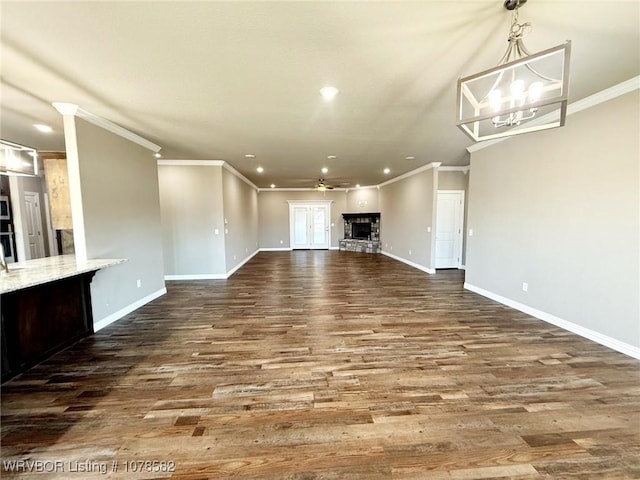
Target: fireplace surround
361,232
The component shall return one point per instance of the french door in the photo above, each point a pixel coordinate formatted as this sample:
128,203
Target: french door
309,225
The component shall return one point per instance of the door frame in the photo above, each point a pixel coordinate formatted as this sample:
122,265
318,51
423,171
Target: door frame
460,235
309,203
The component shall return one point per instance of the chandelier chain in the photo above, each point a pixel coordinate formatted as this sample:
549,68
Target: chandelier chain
517,29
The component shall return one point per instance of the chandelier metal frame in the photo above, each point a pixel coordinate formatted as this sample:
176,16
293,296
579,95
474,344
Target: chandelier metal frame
484,113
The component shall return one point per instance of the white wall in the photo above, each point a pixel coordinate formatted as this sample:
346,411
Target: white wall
560,210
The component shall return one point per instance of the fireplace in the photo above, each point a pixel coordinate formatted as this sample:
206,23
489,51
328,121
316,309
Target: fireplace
361,230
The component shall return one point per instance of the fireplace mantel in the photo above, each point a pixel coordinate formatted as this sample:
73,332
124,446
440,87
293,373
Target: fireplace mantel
349,216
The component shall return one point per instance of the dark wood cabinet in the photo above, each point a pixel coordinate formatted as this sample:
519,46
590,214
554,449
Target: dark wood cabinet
42,320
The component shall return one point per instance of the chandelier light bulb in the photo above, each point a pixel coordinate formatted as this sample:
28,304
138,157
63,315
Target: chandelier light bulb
495,100
535,92
517,93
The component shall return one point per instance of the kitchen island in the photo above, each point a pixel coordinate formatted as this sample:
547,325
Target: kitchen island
46,306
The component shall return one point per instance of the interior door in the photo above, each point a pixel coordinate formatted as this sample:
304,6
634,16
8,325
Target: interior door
449,219
309,226
34,224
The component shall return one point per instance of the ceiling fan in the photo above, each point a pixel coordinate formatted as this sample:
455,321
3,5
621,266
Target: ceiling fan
321,186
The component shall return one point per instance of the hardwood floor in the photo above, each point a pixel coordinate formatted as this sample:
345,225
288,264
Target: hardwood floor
326,365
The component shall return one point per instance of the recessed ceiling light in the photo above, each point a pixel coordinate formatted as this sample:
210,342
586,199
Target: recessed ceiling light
357,185
43,128
249,155
409,158
259,169
158,155
324,170
273,185
387,170
328,93
332,157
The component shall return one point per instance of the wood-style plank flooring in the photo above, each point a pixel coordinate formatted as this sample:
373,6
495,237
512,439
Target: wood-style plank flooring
326,365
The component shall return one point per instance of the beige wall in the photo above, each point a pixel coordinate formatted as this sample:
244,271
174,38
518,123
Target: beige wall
273,215
362,200
559,209
191,205
407,212
240,201
121,218
452,180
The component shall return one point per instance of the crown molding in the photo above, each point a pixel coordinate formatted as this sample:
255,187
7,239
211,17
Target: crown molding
207,163
416,171
72,109
191,163
65,108
464,169
240,176
300,189
578,106
362,187
308,202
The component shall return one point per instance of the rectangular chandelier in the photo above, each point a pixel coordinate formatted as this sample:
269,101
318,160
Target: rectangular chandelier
524,95
18,159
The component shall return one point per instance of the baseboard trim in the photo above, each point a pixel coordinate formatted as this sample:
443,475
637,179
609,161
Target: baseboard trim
430,271
280,249
197,276
334,248
592,335
237,267
210,276
114,317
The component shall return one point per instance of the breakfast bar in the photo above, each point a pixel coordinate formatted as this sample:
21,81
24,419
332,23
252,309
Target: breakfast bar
46,306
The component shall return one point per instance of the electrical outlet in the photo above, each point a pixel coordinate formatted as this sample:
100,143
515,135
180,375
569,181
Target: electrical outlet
409,251
471,232
525,287
139,283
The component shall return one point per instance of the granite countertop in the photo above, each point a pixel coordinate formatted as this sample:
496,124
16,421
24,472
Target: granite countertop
43,270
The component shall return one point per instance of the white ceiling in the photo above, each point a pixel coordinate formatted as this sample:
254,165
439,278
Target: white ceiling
218,80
